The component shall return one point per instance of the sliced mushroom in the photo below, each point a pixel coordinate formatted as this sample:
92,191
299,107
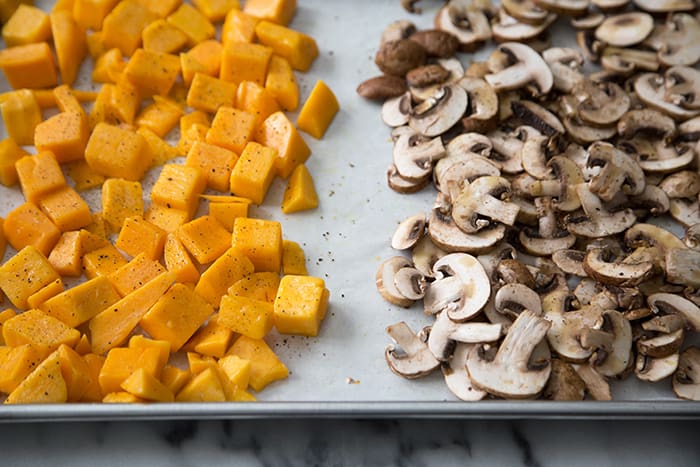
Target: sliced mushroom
685,211
425,254
548,238
625,61
440,112
537,117
686,379
661,345
682,184
409,232
596,384
483,201
570,261
562,187
643,235
602,104
415,154
682,266
597,221
416,359
565,7
510,373
692,237
625,29
526,68
457,377
505,28
665,6
672,39
514,298
380,88
683,86
655,369
410,283
512,271
610,5
457,172
667,303
482,111
446,235
445,333
564,336
651,89
507,147
401,185
589,20
396,30
565,64
598,266
436,42
395,111
385,280
427,81
616,360
470,25
564,383
664,323
526,11
618,172
646,121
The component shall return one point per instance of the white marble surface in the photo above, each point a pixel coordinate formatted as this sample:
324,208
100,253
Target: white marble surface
352,443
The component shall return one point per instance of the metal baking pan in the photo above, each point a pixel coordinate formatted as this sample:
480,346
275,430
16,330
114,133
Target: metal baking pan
342,372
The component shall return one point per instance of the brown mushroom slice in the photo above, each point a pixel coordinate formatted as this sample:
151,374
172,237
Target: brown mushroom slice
686,379
537,117
510,373
446,235
581,133
483,202
692,236
564,336
610,5
395,111
416,359
689,130
653,369
548,238
565,64
599,267
665,6
625,29
570,261
646,121
597,385
470,25
490,261
643,235
396,30
526,69
512,271
512,299
461,287
625,61
409,231
535,152
424,82
651,89
564,383
613,362
385,280
664,302
597,221
618,172
664,323
401,185
505,28
683,86
436,42
440,112
414,154
662,345
591,47
457,377
564,7
565,176
683,184
682,266
445,333
526,11
482,110
589,20
602,104
671,40
685,211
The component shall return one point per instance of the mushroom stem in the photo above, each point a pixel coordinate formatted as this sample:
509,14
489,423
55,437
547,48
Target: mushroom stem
597,339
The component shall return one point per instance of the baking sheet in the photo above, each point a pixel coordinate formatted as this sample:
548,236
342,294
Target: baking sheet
342,371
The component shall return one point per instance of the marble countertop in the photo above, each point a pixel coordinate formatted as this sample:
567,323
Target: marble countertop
353,443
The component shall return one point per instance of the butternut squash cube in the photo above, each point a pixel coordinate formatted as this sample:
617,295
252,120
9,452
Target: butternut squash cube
161,152
215,10
102,261
260,240
300,305
208,93
3,240
204,58
112,326
318,111
204,387
21,114
108,66
26,226
83,346
179,261
204,238
253,173
174,378
246,316
238,27
298,48
35,327
176,316
281,83
195,25
80,303
265,366
44,385
162,37
121,397
229,268
49,290
119,153
10,153
226,213
277,11
39,175
135,274
278,132
29,66
145,386
122,361
89,14
212,339
168,219
65,135
93,392
198,363
97,226
236,369
123,26
24,274
69,41
124,101
231,129
161,8
194,133
255,99
95,45
121,199
260,286
293,259
300,193
27,25
139,341
244,61
152,72
196,117
75,372
138,236
179,187
15,364
66,209
216,163
161,116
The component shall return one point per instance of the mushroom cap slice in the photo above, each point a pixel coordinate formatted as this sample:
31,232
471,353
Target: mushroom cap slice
410,283
447,236
416,360
603,103
653,369
483,104
565,7
425,254
598,221
481,202
682,266
466,22
527,68
385,280
564,337
506,28
440,112
665,6
414,154
651,89
512,299
564,383
664,302
395,111
683,184
445,333
692,236
642,234
683,86
526,11
510,373
671,40
596,384
537,117
625,29
686,379
409,231
615,273
457,377
613,362
570,261
685,211
662,345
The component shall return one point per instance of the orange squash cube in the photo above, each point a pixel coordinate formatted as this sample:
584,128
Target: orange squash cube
260,286
102,261
75,372
118,153
162,37
135,274
65,135
195,25
212,339
29,66
49,290
260,240
208,93
10,153
89,14
300,305
66,257
204,238
226,213
168,219
215,162
138,236
161,116
123,26
21,114
179,187
26,225
300,193
236,369
257,100
231,129
215,10
318,111
281,83
265,366
204,58
108,66
152,72
43,385
146,386
139,341
39,175
93,392
204,387
178,261
121,199
298,48
246,316
228,269
25,273
277,11
27,25
174,378
124,100
66,209
161,151
121,397
69,41
122,361
80,303
15,364
253,173
293,259
95,45
161,8
278,132
37,328
238,27
244,61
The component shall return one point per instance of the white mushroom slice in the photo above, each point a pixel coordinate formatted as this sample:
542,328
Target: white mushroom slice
590,20
662,345
416,360
624,61
683,86
385,280
562,186
686,379
564,383
625,29
597,265
692,237
537,117
513,299
647,121
565,7
445,333
682,266
425,254
610,5
616,360
596,384
682,184
597,221
526,11
397,30
482,202
667,303
565,64
642,235
602,104
506,28
414,154
482,112
570,261
395,111
671,40
509,373
526,69
446,235
664,323
564,336
457,377
440,112
506,151
408,232
469,24
401,185
655,369
665,6
685,211
410,283
651,89
454,174
462,287
512,271
491,260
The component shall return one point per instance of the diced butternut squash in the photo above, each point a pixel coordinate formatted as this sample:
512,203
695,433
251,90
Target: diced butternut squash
231,129
89,14
26,225
168,219
215,10
246,316
121,199
66,209
265,366
115,152
226,213
236,369
122,361
24,274
75,372
318,111
27,25
278,132
21,114
93,392
15,364
152,72
139,341
112,326
95,45
65,135
4,316
298,48
10,153
255,99
253,173
178,260
208,93
35,327
204,58
244,61
238,27
260,240
176,316
97,227
228,269
67,99
43,385
83,346
260,286
135,274
161,116
174,378
204,238
123,26
161,8
212,340
216,163
300,194
102,261
30,66
162,37
300,305
70,43
277,11
39,175
194,133
198,363
293,259
161,152
49,290
121,397
179,187
196,117
123,103
195,25
80,303
204,387
145,386
281,83
109,66
138,236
